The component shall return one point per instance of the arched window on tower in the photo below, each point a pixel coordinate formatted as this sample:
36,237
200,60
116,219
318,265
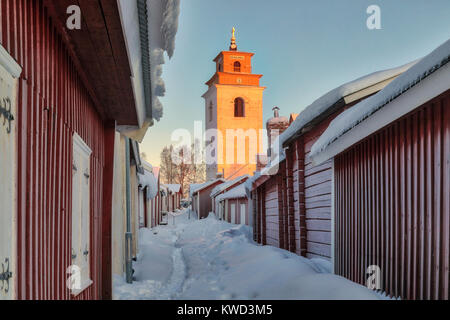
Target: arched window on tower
237,66
210,111
239,110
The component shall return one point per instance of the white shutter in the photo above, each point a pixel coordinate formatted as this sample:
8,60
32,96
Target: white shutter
9,72
81,213
242,213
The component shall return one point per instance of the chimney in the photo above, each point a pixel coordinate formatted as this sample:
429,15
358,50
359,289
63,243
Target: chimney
261,161
275,126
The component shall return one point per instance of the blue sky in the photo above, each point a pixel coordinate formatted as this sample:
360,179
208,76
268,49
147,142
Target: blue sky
302,48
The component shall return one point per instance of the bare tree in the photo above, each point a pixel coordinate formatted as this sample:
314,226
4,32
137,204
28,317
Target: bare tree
182,166
167,165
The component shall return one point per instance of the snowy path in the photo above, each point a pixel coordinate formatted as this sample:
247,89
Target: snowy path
212,259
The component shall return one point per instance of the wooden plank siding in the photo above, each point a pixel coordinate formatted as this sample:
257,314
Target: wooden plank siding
53,104
237,203
296,211
317,197
392,205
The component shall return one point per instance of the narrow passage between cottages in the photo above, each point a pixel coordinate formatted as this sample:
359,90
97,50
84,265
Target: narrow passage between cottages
212,259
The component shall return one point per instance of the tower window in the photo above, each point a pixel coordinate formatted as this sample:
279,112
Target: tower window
237,66
239,110
210,111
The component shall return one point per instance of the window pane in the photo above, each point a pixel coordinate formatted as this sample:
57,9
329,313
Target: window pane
239,107
237,66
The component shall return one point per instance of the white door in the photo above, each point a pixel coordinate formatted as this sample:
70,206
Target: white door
243,209
81,214
9,72
233,213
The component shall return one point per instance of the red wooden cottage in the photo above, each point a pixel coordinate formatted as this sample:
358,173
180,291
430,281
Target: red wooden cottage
391,183
63,94
292,198
234,206
149,199
174,195
221,189
200,197
154,206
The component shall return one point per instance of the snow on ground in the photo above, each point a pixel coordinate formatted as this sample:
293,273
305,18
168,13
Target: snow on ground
211,259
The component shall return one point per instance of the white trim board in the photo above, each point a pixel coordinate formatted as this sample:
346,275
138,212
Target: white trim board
78,141
9,63
431,87
333,227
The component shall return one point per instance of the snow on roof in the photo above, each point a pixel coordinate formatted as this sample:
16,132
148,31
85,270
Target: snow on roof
148,180
173,188
195,187
320,106
236,192
278,120
221,187
328,100
349,119
270,169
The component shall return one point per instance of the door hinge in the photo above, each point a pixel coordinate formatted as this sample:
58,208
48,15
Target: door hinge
6,113
74,255
5,276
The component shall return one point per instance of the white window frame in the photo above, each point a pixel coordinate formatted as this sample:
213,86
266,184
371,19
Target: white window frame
81,215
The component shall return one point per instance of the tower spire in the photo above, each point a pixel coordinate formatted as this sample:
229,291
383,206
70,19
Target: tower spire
233,46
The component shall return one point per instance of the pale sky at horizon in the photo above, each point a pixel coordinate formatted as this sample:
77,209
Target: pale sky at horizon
303,49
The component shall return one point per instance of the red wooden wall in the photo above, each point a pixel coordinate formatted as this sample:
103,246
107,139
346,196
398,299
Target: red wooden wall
317,180
53,104
154,207
271,214
298,200
237,202
392,205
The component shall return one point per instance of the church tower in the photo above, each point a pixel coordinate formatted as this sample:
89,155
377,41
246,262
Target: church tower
234,110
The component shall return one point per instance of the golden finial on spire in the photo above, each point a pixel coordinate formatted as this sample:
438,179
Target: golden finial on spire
233,46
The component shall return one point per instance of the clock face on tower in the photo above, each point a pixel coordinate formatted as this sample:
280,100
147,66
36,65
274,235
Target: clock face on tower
239,80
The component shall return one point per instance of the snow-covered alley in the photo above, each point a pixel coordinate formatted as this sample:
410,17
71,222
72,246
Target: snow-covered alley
211,259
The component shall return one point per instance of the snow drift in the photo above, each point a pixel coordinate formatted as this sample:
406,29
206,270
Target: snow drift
212,259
